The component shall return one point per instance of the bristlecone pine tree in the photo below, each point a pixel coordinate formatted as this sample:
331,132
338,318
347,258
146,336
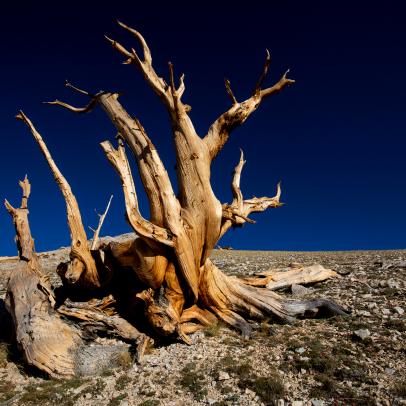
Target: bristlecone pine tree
162,284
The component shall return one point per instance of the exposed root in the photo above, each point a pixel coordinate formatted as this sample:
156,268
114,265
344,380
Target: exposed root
231,298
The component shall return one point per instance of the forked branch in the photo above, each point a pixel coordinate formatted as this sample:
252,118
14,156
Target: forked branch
220,130
167,93
144,228
94,98
236,213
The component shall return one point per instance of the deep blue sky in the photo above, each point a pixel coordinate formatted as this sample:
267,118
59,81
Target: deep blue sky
336,138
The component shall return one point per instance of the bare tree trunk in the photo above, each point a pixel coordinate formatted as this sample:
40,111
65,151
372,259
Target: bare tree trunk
171,273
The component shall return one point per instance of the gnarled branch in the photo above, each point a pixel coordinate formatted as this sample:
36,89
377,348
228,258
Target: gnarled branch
220,130
82,264
118,158
168,94
236,213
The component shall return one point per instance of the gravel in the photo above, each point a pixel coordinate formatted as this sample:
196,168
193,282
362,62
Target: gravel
355,360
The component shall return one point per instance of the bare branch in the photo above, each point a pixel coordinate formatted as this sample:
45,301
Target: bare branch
220,130
26,187
158,85
277,87
89,107
140,38
101,220
235,184
120,48
236,213
263,74
82,261
77,89
181,88
230,92
141,226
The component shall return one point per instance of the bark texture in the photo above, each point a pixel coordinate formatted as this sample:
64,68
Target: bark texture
163,282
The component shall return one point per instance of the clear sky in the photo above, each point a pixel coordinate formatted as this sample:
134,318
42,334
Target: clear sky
336,138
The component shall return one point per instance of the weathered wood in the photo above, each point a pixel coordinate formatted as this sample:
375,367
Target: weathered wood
95,240
280,278
47,342
82,265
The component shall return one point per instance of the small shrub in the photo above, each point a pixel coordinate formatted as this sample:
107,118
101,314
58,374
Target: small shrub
396,324
399,389
193,381
328,385
7,391
122,382
149,402
268,389
213,330
117,400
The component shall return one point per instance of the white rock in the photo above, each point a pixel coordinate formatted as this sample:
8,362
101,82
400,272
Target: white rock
398,310
280,402
300,350
211,401
297,403
385,311
317,402
251,394
362,333
223,376
364,313
392,284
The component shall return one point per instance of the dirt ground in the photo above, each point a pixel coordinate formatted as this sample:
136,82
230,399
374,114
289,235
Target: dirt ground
354,360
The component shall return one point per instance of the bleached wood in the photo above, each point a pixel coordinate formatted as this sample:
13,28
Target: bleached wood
82,264
283,278
95,239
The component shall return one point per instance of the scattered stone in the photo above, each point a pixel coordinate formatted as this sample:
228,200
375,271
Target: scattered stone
362,333
223,376
364,313
398,310
386,311
317,402
389,371
297,403
299,290
251,394
392,284
300,350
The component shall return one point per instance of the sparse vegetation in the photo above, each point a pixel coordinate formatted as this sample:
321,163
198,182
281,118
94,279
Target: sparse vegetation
396,324
268,389
122,382
399,389
116,401
193,381
4,352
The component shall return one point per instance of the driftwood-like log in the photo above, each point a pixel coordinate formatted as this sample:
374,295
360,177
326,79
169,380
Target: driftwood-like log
280,278
163,281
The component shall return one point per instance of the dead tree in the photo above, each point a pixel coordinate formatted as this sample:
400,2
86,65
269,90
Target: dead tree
176,289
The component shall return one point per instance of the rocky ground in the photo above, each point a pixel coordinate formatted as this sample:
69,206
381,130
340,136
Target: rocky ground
356,360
